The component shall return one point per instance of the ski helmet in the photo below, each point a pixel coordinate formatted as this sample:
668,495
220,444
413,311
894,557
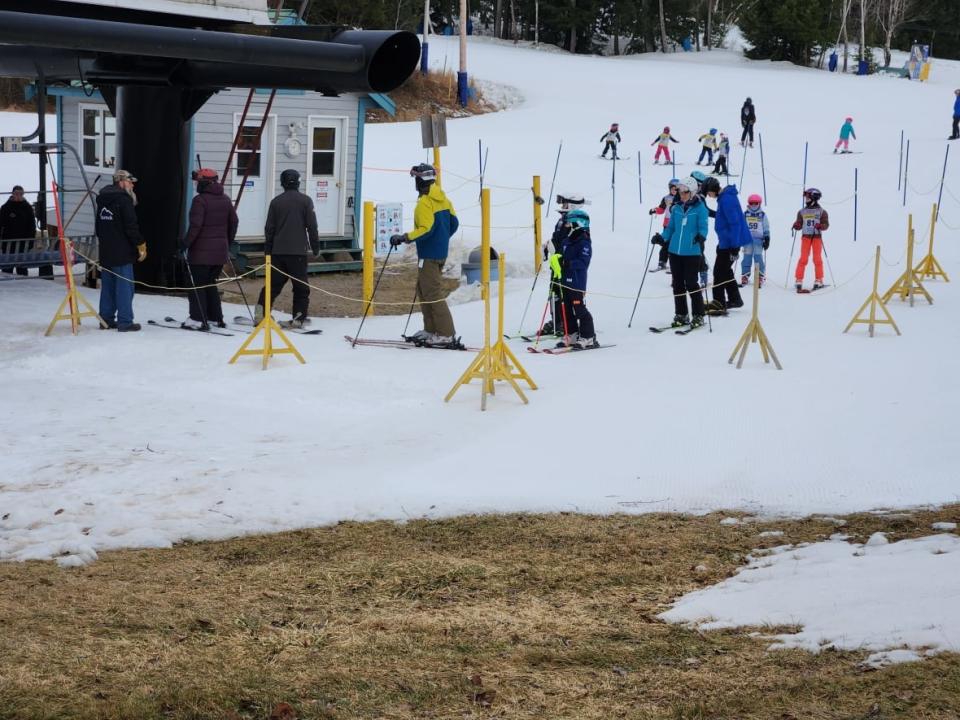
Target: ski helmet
290,179
749,101
666,128
614,126
812,194
849,119
569,201
208,174
578,219
710,185
713,131
754,200
688,184
673,182
423,175
698,176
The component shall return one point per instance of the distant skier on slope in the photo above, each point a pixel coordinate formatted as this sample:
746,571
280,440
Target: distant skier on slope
846,132
612,139
811,221
748,118
723,151
708,143
662,141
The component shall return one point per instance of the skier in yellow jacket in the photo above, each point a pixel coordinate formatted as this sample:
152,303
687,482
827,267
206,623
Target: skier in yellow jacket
434,223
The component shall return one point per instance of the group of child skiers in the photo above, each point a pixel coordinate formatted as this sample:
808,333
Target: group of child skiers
683,246
683,237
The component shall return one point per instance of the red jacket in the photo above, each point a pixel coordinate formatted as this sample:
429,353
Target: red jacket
213,226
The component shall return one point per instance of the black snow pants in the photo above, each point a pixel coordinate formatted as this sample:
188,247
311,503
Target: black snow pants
686,281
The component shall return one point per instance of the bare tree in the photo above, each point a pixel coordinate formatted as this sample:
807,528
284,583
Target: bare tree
891,16
663,30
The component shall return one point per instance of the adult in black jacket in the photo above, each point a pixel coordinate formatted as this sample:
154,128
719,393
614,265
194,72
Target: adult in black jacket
290,233
748,118
120,243
17,222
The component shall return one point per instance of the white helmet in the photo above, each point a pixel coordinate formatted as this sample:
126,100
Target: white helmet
569,201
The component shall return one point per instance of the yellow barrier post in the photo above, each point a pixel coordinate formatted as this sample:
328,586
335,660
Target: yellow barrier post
436,163
73,298
369,255
267,326
907,285
754,331
497,362
537,226
873,301
929,267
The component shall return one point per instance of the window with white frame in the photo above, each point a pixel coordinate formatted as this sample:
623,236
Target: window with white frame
98,137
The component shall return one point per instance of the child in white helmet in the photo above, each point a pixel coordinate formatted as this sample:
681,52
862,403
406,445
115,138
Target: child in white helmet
759,228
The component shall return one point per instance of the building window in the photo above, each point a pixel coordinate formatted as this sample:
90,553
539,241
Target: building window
98,137
324,150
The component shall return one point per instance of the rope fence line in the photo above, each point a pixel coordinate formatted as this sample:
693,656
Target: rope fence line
348,298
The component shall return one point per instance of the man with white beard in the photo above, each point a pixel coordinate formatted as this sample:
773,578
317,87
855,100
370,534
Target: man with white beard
121,244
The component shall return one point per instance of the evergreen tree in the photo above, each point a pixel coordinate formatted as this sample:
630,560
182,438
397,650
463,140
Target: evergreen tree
788,30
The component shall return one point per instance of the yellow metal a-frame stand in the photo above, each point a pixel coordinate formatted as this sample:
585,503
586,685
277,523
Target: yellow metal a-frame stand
754,331
873,301
73,299
267,326
908,284
929,267
497,362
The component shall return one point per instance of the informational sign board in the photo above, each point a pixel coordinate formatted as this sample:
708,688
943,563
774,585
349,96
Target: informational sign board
389,223
322,194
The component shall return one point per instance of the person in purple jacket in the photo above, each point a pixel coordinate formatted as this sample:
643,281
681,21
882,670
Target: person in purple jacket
213,226
732,234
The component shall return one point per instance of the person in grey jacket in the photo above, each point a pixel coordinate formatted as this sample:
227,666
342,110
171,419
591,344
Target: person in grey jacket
290,234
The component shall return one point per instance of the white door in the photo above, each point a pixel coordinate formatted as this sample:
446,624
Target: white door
326,172
258,188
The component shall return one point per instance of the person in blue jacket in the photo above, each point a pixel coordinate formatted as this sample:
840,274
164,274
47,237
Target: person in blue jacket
732,234
574,260
956,116
685,237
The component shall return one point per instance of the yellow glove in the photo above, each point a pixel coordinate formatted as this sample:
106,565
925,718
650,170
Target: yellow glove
555,265
142,250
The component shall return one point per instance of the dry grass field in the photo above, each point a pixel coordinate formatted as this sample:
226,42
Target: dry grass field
515,616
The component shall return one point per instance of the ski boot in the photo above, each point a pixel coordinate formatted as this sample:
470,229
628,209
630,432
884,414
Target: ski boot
420,337
569,341
799,287
587,343
763,279
818,285
696,322
680,321
744,279
191,324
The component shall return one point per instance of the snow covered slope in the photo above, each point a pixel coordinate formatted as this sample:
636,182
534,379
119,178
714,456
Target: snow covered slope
142,440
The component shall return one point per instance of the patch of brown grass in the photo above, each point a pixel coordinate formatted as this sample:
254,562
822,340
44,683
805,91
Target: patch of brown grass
434,93
476,617
397,286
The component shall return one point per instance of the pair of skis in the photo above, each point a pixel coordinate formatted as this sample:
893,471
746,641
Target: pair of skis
245,323
406,344
678,329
